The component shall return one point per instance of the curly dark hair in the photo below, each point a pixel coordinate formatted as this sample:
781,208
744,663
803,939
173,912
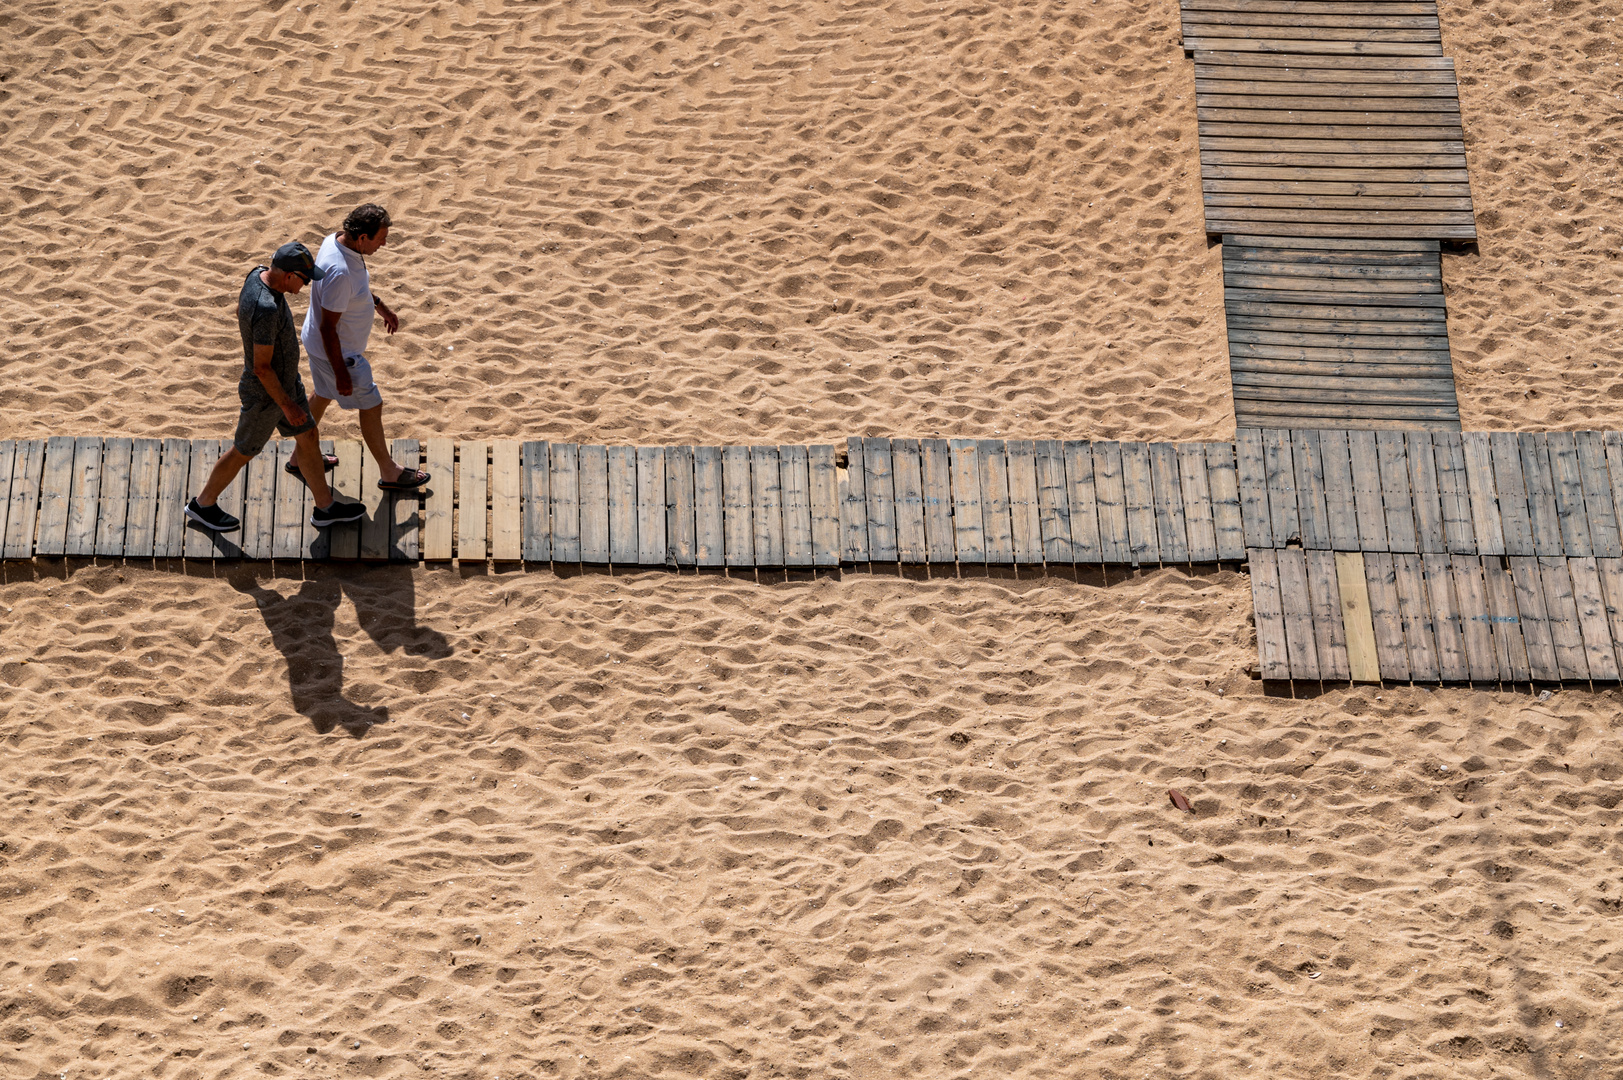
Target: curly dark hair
366,220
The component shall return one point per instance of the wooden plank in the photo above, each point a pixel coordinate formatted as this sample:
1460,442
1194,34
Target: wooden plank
652,512
938,499
472,502
1561,606
996,523
1613,442
1324,597
227,545
1453,492
1486,524
113,498
258,540
1395,495
1298,61
1358,627
854,503
289,515
1279,460
1476,618
1534,620
1312,504
1536,474
1053,501
1196,496
406,507
1510,651
1110,497
908,478
594,504
1596,482
564,487
1227,518
1025,529
1374,417
880,488
1600,652
439,501
1255,512
621,489
1447,622
1386,617
710,533
174,489
1082,506
1610,572
1295,600
1419,631
1273,653
1568,488
795,469
506,501
681,521
1138,489
1341,512
537,501
140,521
8,460
200,543
313,543
825,504
1233,46
1511,489
1430,534
379,519
1166,491
738,526
766,505
84,498
55,491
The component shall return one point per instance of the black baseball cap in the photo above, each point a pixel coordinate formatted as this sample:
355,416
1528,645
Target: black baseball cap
295,258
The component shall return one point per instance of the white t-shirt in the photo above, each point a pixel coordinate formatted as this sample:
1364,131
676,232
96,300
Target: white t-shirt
347,288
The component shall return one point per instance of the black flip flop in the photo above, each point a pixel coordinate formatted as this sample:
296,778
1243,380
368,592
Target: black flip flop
330,461
418,479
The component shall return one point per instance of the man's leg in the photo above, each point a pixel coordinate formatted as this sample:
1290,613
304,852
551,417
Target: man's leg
318,407
225,470
372,432
307,452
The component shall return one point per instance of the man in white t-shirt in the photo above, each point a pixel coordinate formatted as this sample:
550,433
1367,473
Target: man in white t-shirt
337,328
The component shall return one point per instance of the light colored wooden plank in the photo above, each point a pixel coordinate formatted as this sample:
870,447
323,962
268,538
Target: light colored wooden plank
536,495
27,472
259,504
55,491
1386,617
314,543
199,542
1324,598
825,504
1613,444
1533,618
379,519
113,497
651,510
1110,498
907,473
1482,492
1138,490
709,516
1561,606
966,501
1312,504
84,499
1541,511
1419,630
1610,572
1476,617
1252,464
174,489
1197,502
1295,600
737,521
1171,526
226,545
1430,533
1227,519
1053,502
1278,457
1453,491
440,500
767,505
1510,651
854,504
1603,532
8,459
995,516
1568,489
1599,650
594,504
344,541
1396,497
1511,488
506,501
1363,458
681,521
472,502
622,502
1025,528
879,486
1083,505
289,517
1363,660
1273,654
936,480
795,473
1341,513
406,507
140,519
1447,622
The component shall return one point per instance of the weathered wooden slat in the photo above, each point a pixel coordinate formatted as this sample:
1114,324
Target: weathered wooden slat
1386,617
564,487
174,488
1171,525
55,490
8,459
1331,264
1453,492
259,479
1329,635
1312,505
1341,512
1025,529
406,507
1534,619
506,501
1610,572
1279,460
766,505
1510,651
709,513
1510,486
936,479
1264,22
84,498
1396,498
439,501
1233,46
854,504
1138,489
1316,390
1600,652
995,515
738,526
1430,533
289,512
1613,443
1419,631
1302,62
343,541
316,544
795,472
908,479
681,522
1053,502
1110,497
1475,618
1596,481
1486,524
1196,493
825,504
1273,653
1227,518
1568,489
537,500
1255,512
113,499
1358,627
1561,607
652,513
1295,600
966,501
1536,474
1082,505
473,497
879,484
621,492
594,505
1447,621
140,518
374,527
200,543
1374,417
228,545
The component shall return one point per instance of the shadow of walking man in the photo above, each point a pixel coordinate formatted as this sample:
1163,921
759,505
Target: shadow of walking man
301,625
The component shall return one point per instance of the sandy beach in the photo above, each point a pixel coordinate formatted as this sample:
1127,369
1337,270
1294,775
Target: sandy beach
397,822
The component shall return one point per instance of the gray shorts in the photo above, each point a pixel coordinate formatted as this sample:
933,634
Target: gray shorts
260,418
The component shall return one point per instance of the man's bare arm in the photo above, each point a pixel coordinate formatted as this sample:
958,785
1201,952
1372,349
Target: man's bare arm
328,327
273,386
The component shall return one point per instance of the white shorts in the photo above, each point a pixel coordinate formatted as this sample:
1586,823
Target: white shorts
365,395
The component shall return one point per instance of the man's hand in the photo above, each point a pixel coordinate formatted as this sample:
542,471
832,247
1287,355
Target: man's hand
295,415
341,379
328,328
391,321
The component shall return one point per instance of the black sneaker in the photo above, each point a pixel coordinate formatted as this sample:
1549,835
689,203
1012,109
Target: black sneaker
328,462
340,511
211,517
